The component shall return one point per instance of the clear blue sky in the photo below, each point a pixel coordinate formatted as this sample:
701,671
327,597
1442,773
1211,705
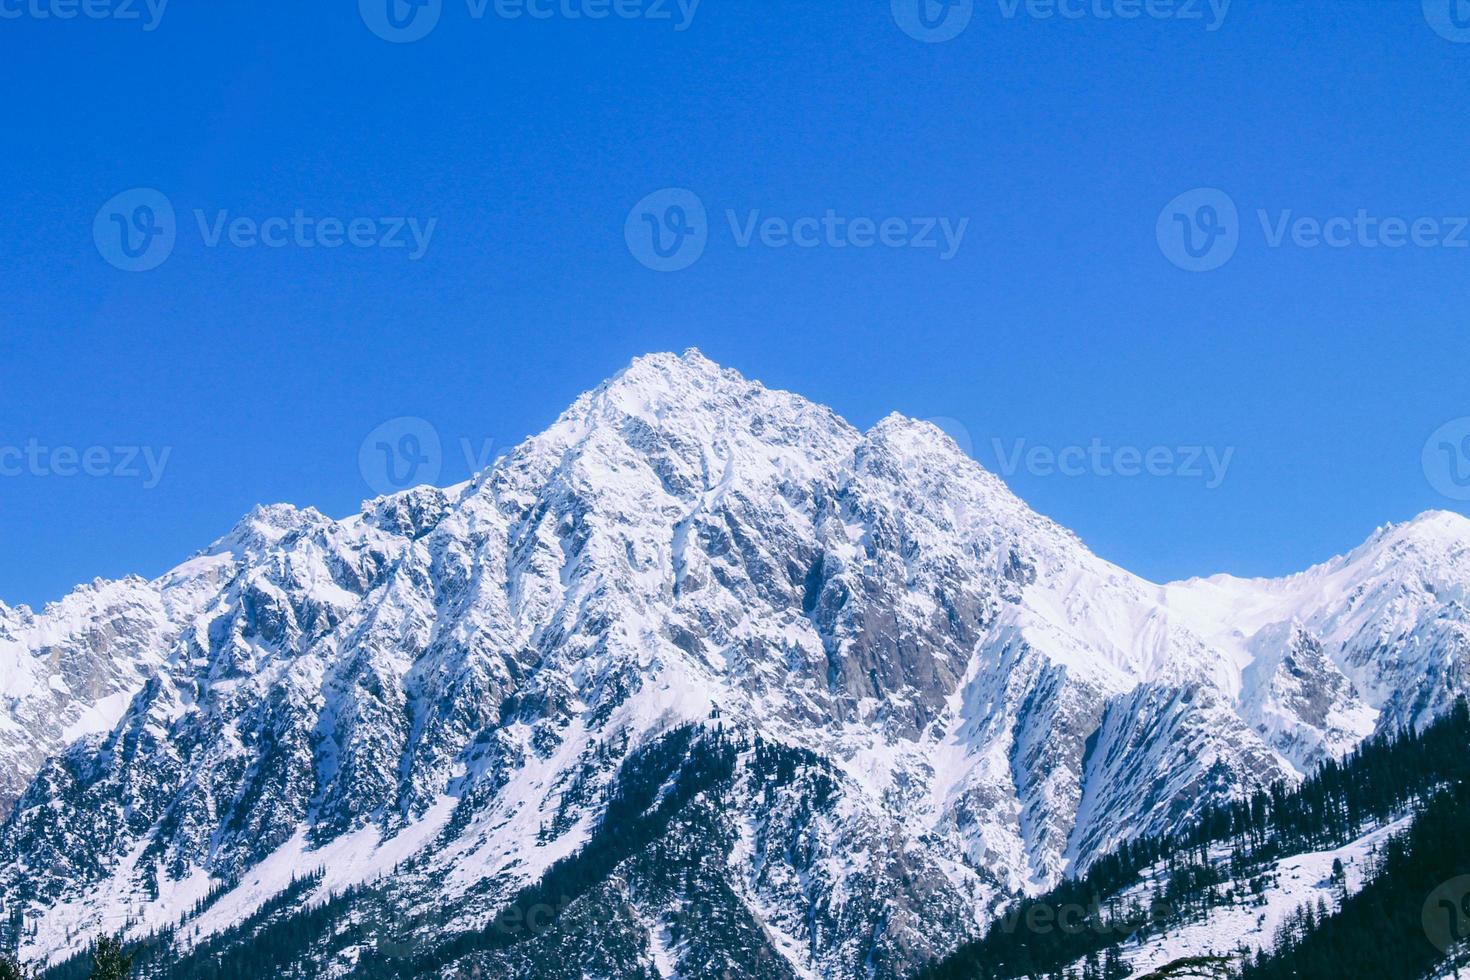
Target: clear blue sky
1059,320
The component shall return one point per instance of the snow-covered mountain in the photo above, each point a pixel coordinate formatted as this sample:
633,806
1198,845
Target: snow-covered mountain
1376,637
913,698
71,670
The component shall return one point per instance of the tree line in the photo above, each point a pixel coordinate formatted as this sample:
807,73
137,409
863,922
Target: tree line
1226,858
107,958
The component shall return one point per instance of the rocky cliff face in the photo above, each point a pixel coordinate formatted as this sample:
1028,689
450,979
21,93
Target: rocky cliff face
912,697
70,670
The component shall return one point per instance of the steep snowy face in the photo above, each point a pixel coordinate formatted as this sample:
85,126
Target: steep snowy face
1376,639
878,598
454,682
71,670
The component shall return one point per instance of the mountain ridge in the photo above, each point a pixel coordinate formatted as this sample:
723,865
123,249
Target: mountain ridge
450,670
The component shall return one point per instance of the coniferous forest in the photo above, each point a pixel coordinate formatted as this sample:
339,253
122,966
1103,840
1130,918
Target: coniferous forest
1378,932
277,939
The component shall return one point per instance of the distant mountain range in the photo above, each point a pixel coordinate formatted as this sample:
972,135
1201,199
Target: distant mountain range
731,688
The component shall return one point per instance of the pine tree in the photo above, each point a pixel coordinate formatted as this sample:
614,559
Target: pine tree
108,961
11,970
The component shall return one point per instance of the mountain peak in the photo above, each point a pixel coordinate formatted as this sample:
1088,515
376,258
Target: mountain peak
666,366
1432,534
1440,524
263,526
659,380
897,428
697,407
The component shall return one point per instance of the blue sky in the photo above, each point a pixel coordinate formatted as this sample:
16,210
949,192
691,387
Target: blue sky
1060,152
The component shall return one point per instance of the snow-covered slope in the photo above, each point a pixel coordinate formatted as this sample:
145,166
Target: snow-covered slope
1376,638
453,682
71,670
1259,907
